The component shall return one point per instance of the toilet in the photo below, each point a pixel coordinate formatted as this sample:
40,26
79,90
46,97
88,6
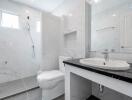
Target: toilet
52,82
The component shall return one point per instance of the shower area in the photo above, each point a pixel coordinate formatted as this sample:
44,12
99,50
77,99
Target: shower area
20,48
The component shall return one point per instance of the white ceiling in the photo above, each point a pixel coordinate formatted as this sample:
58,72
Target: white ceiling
46,5
108,4
57,7
66,7
61,7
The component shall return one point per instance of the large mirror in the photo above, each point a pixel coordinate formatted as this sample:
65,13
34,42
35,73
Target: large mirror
112,25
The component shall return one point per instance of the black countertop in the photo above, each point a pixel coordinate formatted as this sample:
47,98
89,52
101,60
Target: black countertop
121,75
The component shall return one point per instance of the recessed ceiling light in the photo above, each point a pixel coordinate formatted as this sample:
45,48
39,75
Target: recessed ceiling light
32,0
27,11
96,1
114,15
93,1
70,14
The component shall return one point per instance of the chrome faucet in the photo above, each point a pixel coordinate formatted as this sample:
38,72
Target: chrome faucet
106,56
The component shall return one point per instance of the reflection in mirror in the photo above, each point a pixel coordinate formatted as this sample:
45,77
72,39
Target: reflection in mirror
111,25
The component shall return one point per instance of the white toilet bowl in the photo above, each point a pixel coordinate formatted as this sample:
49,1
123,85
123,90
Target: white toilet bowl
52,82
50,79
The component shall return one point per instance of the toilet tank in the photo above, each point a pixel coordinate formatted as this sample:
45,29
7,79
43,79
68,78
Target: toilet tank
61,64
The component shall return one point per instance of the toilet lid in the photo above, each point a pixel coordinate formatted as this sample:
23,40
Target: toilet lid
50,75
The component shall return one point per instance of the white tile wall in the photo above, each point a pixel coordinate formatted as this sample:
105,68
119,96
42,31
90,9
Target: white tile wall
16,46
75,22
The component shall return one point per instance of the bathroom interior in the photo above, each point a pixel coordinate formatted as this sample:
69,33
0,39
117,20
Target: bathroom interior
65,50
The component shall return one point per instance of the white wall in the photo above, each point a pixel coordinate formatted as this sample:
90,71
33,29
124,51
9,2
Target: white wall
16,46
74,20
50,41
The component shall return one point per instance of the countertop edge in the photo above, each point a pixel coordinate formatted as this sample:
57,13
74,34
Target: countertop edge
122,78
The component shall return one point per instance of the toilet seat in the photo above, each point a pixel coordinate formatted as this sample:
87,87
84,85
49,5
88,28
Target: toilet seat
49,79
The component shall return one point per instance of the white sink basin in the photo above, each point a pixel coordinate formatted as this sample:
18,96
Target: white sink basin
110,65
